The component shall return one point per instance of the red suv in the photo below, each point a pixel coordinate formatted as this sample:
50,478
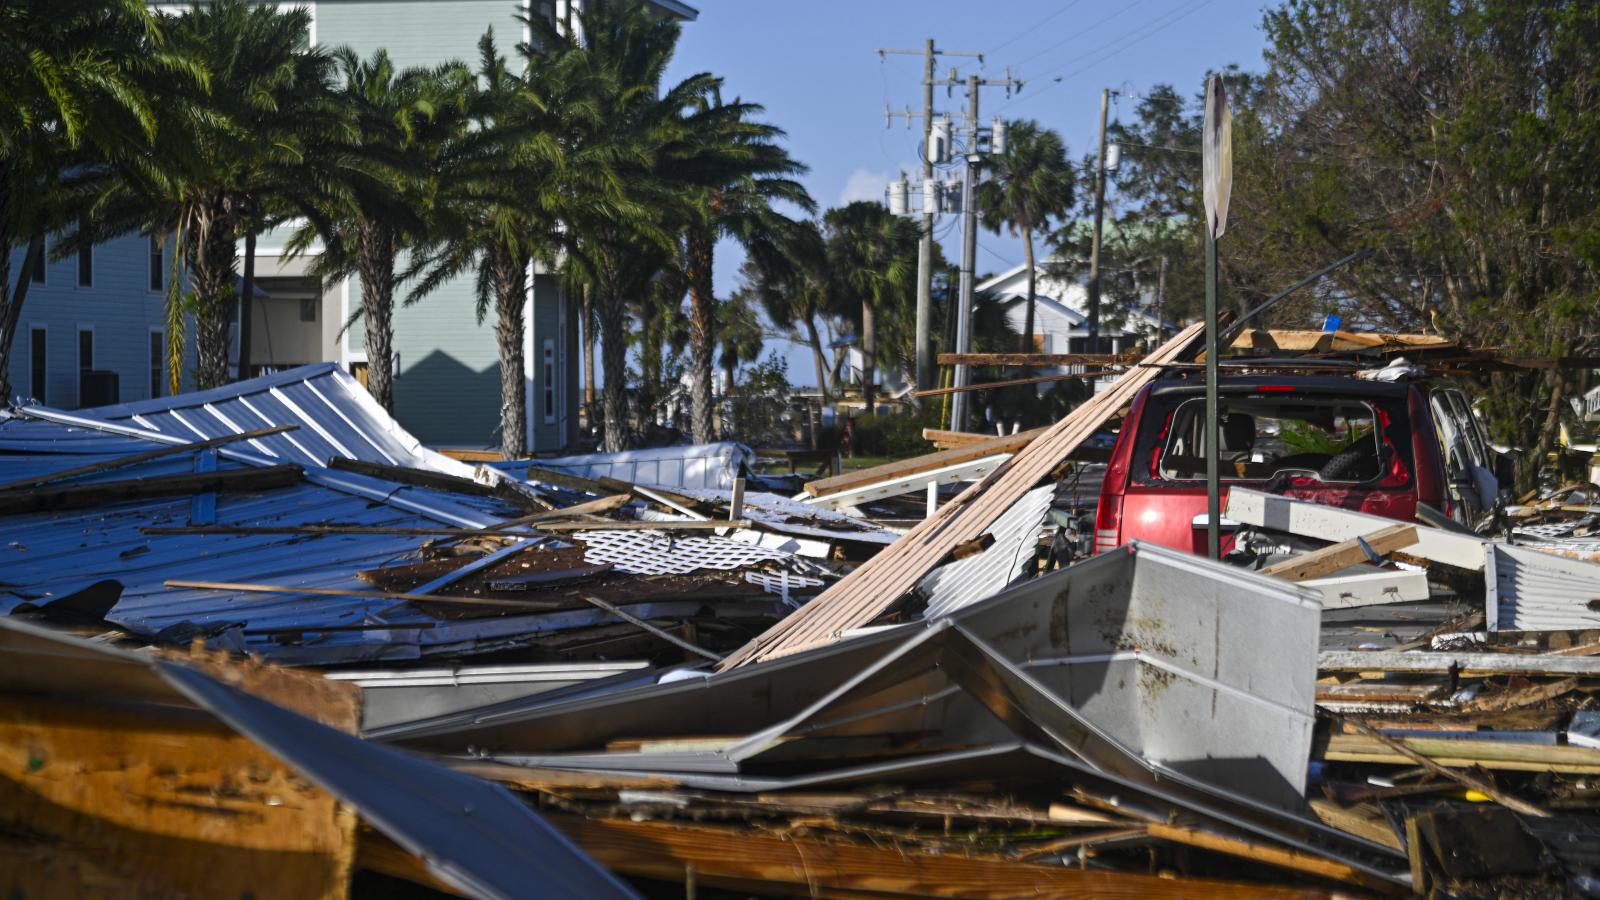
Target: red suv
1372,446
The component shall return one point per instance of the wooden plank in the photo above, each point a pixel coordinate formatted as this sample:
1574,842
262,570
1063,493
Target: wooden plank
1403,747
78,496
1364,820
801,864
150,801
1463,663
946,440
1268,854
1024,360
1344,554
246,588
136,458
1016,382
473,456
928,462
1461,753
1285,339
438,481
877,584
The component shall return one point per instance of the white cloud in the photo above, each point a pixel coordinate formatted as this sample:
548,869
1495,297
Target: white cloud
864,184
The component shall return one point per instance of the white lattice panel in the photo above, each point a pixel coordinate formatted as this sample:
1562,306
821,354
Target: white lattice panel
659,553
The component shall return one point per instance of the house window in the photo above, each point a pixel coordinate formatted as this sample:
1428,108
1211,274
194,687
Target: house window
308,309
85,359
156,281
549,380
158,355
86,266
38,364
39,265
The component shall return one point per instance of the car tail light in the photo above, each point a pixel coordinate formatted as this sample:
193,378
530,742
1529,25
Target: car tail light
1108,523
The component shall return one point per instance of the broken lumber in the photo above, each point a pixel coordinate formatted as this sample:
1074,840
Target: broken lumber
1464,663
1023,360
948,440
1015,382
1344,554
928,462
245,588
762,862
1331,523
661,633
1287,339
877,584
1460,776
78,496
136,458
1256,851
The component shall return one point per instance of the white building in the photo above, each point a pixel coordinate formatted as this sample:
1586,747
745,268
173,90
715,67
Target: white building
1061,313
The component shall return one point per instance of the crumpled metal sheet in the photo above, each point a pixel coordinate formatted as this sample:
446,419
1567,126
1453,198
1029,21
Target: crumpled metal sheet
715,465
473,834
966,581
660,553
785,515
337,417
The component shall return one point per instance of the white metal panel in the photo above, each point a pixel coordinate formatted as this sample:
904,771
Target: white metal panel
1330,523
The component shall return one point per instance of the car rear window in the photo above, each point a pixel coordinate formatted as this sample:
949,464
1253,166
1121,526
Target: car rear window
1300,440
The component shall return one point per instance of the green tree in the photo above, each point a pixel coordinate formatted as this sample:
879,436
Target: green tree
743,172
229,160
1030,184
872,256
1456,140
402,121
503,192
795,293
74,92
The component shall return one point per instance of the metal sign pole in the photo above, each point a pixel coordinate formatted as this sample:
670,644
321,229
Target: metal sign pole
1217,163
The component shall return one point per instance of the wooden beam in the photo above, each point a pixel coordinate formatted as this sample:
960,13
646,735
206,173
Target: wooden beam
661,633
1016,382
946,440
438,481
1458,775
247,588
1023,360
1344,554
136,458
1268,854
1445,662
99,493
1288,339
796,863
928,462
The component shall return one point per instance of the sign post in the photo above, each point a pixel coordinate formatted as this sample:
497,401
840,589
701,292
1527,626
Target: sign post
1217,162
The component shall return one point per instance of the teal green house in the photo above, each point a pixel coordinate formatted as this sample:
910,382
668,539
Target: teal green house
447,391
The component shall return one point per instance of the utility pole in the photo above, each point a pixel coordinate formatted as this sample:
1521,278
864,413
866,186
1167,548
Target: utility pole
930,56
969,236
1099,219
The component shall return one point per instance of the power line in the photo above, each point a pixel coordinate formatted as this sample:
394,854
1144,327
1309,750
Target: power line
1031,28
1078,34
1106,51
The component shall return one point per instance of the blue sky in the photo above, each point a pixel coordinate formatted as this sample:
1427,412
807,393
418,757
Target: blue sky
814,66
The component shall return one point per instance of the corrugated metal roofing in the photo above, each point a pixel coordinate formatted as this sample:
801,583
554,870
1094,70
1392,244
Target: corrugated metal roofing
687,466
337,417
969,580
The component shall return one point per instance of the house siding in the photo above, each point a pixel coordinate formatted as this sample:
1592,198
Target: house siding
118,304
419,32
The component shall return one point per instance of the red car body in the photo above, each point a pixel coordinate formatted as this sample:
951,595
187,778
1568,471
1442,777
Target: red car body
1143,498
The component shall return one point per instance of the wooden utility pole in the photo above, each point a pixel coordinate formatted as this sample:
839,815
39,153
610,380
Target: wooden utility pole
926,372
1099,223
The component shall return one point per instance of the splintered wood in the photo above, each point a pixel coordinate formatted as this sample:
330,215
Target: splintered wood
873,587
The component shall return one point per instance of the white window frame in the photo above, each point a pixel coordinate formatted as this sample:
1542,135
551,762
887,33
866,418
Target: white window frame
45,330
77,353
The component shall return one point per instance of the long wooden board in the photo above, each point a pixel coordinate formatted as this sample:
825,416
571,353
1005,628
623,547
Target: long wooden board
900,468
874,586
797,864
1344,554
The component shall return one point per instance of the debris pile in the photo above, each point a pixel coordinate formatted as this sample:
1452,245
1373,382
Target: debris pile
262,629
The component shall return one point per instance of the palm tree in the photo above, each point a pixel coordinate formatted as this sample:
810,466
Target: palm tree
795,292
75,79
747,172
499,207
401,121
873,258
237,157
1031,183
740,340
614,62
